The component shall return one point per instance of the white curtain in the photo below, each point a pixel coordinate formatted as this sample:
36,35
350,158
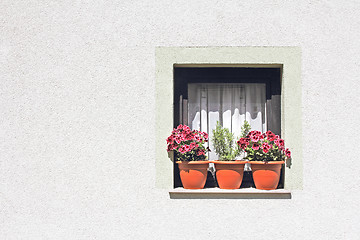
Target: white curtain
231,104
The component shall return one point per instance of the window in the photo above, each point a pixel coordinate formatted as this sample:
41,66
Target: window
288,59
230,95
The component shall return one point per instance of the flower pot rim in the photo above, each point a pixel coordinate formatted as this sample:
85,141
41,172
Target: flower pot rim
193,162
230,162
268,162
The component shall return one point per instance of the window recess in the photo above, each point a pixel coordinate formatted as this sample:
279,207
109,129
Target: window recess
230,95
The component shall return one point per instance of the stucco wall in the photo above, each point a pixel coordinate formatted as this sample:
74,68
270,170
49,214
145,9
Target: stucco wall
77,119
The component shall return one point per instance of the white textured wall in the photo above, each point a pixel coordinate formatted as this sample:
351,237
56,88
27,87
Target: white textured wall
77,119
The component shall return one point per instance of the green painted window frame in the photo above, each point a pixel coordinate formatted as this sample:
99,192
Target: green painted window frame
287,58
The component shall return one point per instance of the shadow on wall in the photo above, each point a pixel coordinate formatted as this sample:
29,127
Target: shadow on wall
171,156
229,195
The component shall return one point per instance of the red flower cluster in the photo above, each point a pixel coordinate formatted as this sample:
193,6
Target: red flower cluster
187,143
264,146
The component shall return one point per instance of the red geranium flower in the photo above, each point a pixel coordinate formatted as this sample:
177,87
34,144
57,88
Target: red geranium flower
288,153
181,150
170,139
265,147
193,145
186,148
189,137
186,128
270,135
261,136
200,152
255,146
171,147
243,145
254,138
206,136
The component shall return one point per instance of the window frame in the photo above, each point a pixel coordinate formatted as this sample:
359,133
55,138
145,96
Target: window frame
287,58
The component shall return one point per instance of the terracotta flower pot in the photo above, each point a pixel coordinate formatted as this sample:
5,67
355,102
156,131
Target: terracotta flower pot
266,174
193,174
229,174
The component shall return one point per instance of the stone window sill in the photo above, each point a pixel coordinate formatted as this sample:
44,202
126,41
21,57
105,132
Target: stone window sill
217,193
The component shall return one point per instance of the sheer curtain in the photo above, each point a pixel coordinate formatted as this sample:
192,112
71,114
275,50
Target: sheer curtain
229,103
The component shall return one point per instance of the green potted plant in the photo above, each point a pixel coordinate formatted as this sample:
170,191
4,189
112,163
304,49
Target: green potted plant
266,153
229,171
190,155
